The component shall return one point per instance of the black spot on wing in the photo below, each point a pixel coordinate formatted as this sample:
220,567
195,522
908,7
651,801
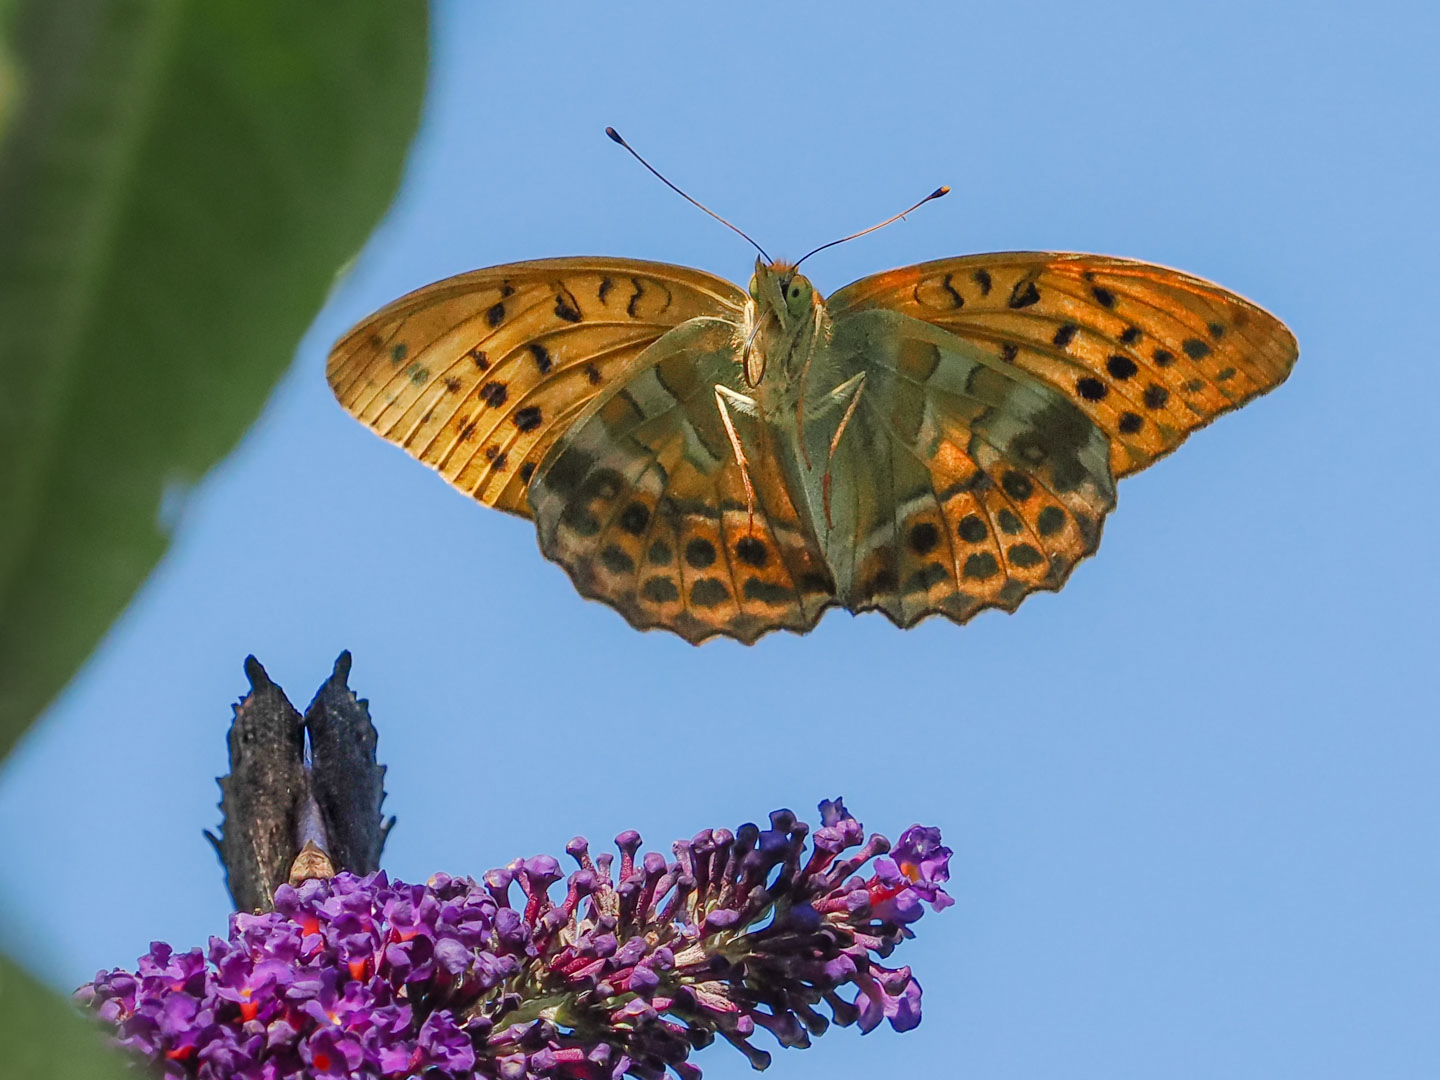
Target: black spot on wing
1121,367
816,581
972,529
980,566
700,553
926,578
660,590
1050,521
1017,485
493,394
566,308
1024,556
565,476
580,520
528,418
542,357
982,278
752,552
616,560
635,518
1023,294
707,592
924,538
766,592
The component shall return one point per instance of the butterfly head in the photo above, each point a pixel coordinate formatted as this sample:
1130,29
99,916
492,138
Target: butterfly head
782,292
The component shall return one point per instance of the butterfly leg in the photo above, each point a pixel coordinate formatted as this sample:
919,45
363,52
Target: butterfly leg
747,406
854,387
800,396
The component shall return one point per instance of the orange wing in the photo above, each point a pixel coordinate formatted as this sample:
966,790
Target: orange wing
480,374
1150,354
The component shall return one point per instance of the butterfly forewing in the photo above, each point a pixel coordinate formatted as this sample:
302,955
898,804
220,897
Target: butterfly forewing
642,501
480,374
962,483
1148,353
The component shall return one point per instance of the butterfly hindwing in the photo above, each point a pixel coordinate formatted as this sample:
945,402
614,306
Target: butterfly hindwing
642,501
478,375
1148,353
960,483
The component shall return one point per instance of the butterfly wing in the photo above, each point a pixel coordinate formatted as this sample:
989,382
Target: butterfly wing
643,502
1147,353
478,375
960,483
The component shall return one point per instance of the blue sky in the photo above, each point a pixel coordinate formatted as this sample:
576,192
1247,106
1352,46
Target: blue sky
1193,797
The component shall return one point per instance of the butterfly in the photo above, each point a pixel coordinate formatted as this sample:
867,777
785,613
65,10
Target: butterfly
937,439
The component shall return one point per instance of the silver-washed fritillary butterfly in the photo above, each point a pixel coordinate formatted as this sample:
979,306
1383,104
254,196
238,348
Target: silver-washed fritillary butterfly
937,439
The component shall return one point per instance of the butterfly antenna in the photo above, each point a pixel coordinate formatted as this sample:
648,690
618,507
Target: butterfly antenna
615,136
888,221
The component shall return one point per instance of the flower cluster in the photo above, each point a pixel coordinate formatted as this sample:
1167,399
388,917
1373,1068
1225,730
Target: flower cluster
625,975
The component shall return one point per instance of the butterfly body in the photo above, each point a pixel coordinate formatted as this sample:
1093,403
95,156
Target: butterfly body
933,440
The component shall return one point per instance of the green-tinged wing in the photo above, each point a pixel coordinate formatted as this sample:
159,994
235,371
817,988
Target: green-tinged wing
480,374
1149,354
960,483
643,503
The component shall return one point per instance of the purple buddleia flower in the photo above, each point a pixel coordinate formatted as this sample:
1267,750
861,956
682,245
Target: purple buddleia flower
623,968
926,862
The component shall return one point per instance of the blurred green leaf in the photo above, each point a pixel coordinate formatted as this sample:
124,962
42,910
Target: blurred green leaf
180,182
42,1037
9,87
